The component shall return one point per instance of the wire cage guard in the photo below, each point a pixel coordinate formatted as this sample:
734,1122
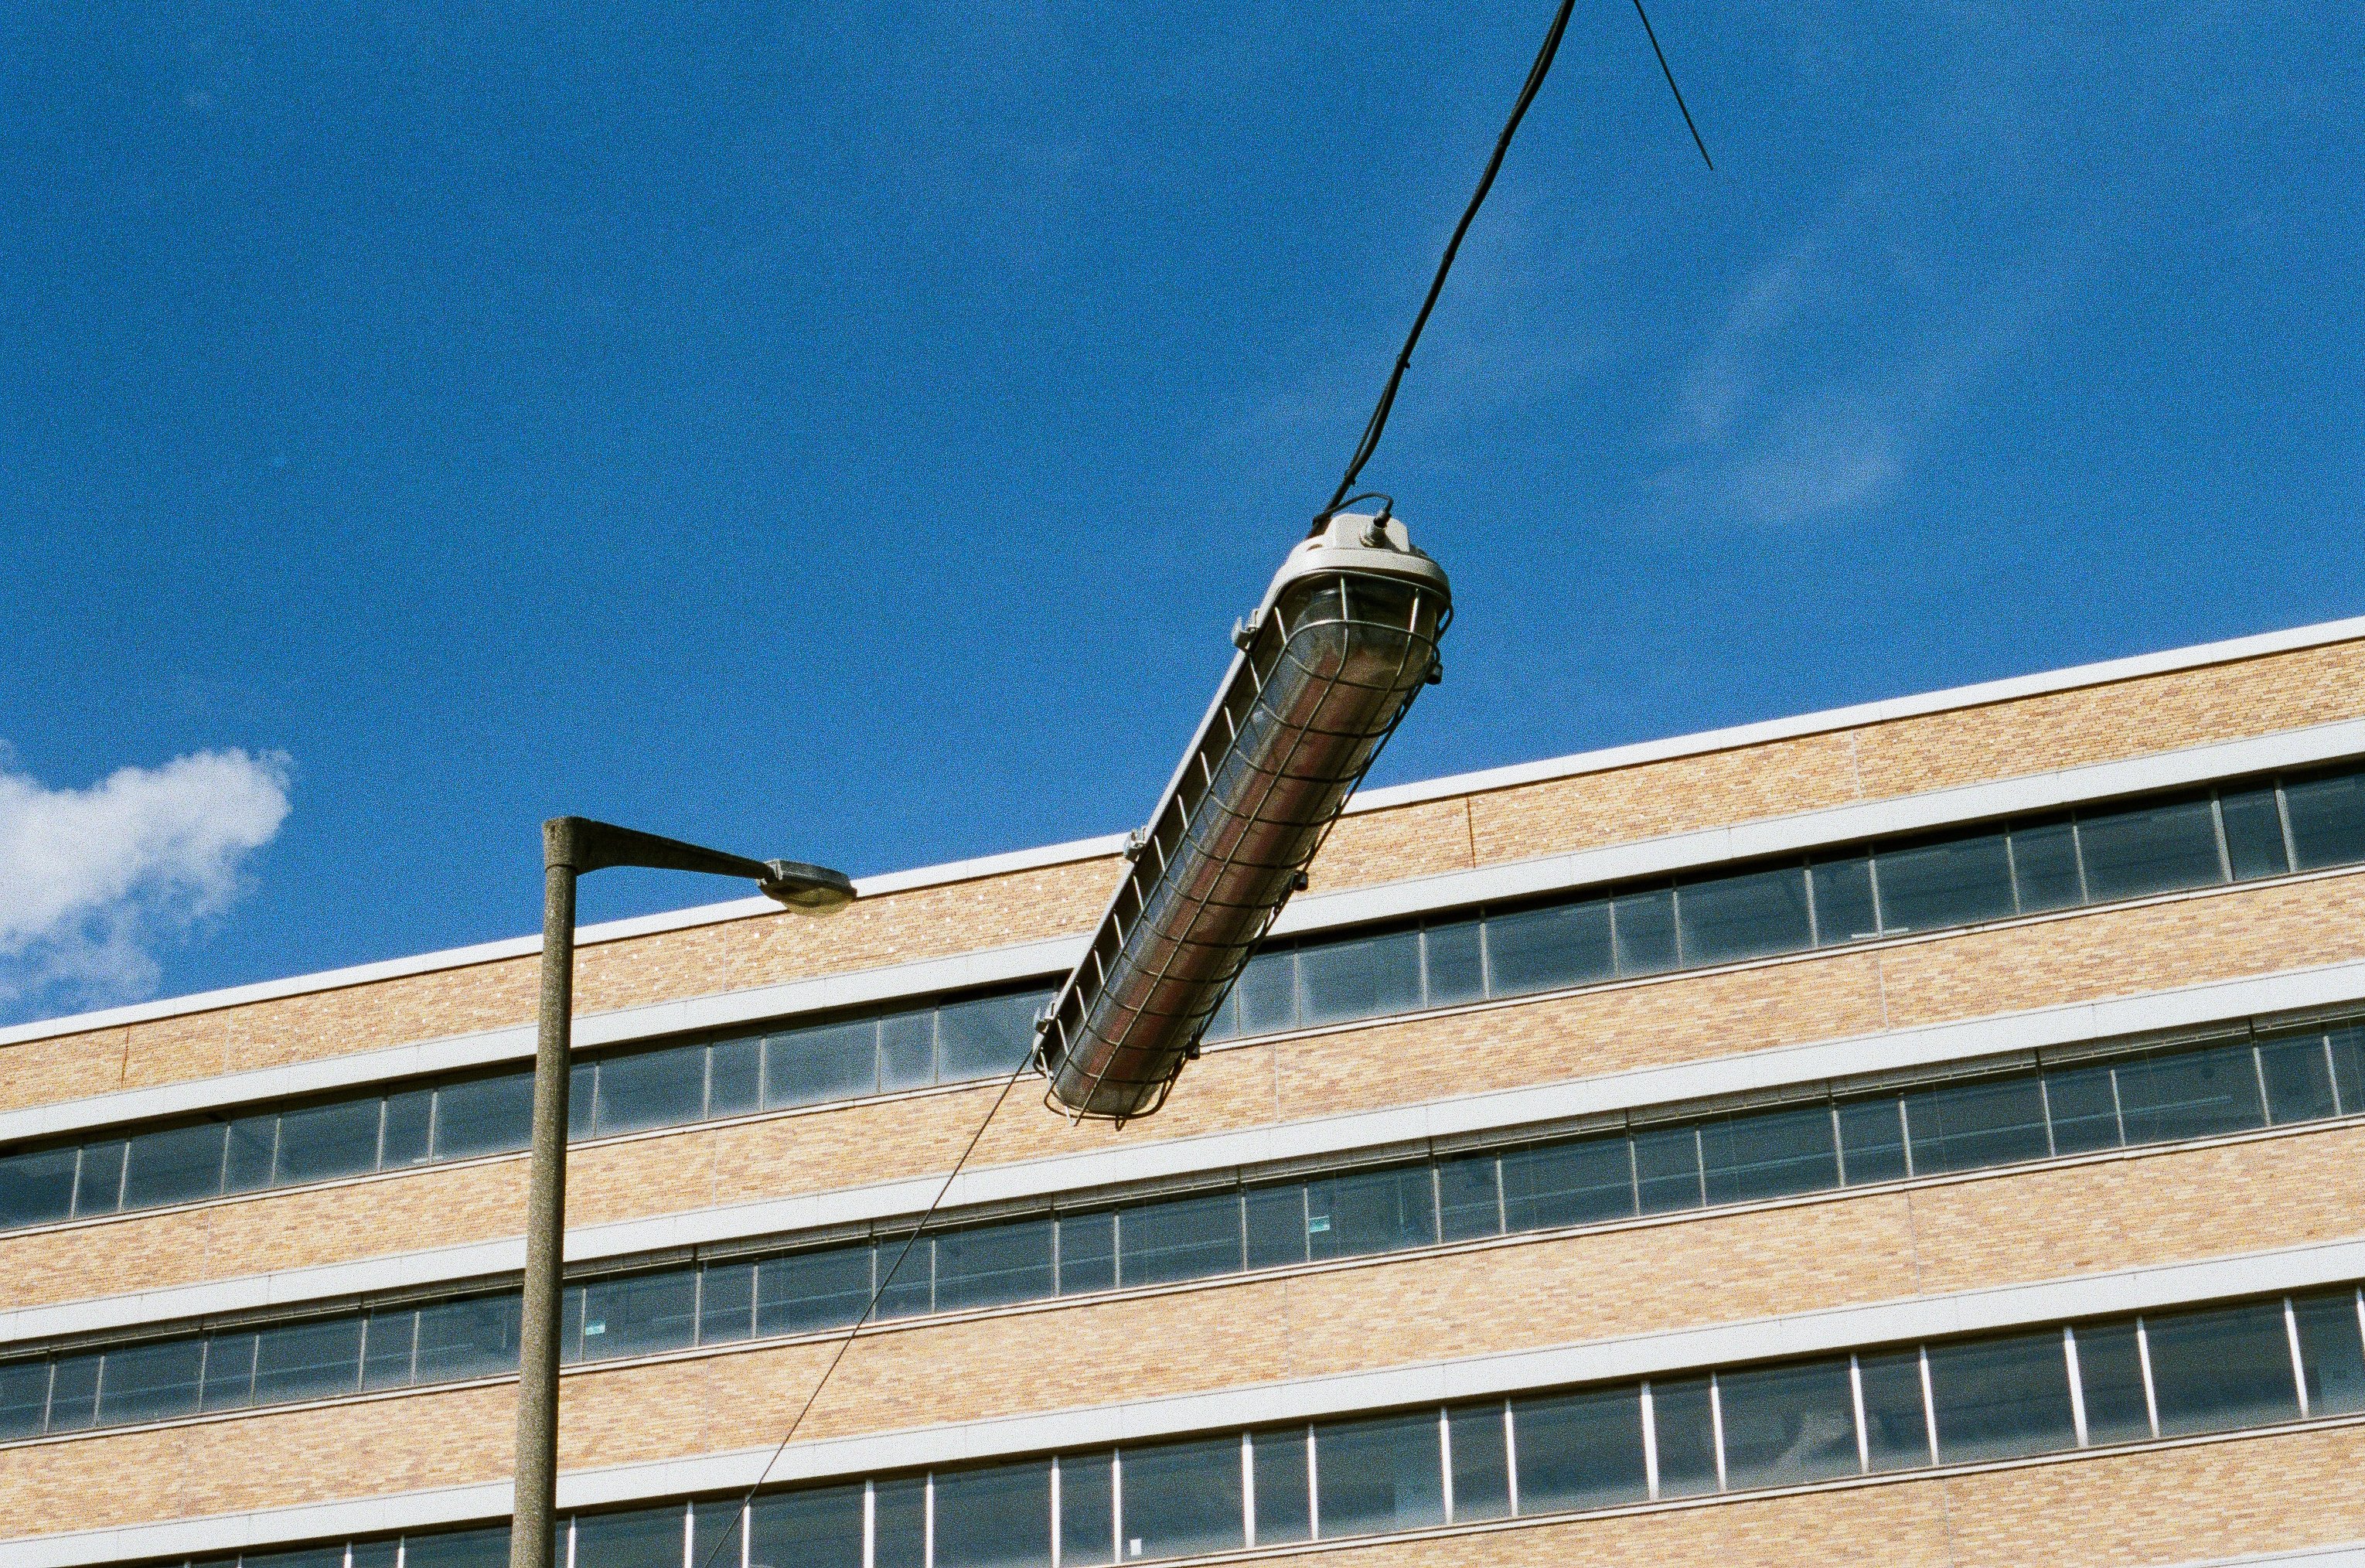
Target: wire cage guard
1329,664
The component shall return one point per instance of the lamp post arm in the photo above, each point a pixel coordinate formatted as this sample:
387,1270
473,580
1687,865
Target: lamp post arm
587,845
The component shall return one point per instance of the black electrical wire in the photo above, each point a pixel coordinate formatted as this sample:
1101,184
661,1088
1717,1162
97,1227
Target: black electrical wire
868,1310
1534,84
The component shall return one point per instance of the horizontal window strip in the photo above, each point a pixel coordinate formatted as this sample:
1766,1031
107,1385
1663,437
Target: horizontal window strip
2089,1384
1955,1120
2234,832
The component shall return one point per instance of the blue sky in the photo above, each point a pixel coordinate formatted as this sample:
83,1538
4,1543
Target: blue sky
848,431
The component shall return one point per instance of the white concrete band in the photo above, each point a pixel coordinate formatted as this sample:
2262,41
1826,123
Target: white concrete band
1658,856
1646,1355
1410,1126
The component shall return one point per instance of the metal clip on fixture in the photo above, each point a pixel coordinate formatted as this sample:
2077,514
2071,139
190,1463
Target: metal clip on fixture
1344,640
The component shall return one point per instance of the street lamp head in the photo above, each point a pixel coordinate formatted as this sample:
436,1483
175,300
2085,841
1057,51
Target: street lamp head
806,889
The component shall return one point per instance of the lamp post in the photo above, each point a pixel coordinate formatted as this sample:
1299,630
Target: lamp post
571,846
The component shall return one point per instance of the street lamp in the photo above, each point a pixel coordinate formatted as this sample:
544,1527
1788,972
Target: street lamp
571,846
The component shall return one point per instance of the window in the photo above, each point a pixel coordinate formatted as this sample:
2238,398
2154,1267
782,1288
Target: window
1995,1398
1768,1154
833,1061
2329,1352
899,1526
176,1165
1723,919
996,1516
1478,1463
1896,1420
1567,1183
2149,848
805,1292
37,1188
1379,1473
2297,1071
328,1141
475,1337
2221,1367
1959,879
2045,865
23,1398
307,1361
2110,1376
1182,1498
1872,1140
458,1549
993,1264
2083,1106
1284,1505
1683,1428
1787,1425
987,1039
1358,979
1363,1213
488,1116
817,1528
1179,1239
2169,1095
636,1315
2328,817
1580,1450
643,1538
1667,1168
649,1089
1543,949
1989,1121
150,1382
1087,1510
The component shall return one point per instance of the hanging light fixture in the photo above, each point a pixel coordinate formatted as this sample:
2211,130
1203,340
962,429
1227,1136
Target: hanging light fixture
1328,666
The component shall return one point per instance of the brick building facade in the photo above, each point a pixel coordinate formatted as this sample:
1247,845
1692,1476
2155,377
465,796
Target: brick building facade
1925,1133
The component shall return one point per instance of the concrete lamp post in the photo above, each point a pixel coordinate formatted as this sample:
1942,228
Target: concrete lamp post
571,846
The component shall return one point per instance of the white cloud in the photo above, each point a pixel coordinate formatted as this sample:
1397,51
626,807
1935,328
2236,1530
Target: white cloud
93,882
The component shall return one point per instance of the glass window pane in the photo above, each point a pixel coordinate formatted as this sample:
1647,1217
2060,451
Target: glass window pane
1667,1168
1276,1224
37,1188
253,1142
24,1396
2298,1072
2083,1109
230,1370
178,1165
907,1049
1482,1476
1788,1425
1580,1183
458,1549
2254,832
1378,1474
378,1553
582,1098
1469,1199
1366,978
1966,1126
1359,1212
2330,1352
2151,848
1179,1239
1722,920
2221,1368
995,1515
714,1540
640,1315
1182,1499
835,1061
74,1391
2110,1372
1644,928
402,1134
898,1523
307,1361
1768,1154
643,1538
98,1182
1455,968
735,1076
2044,865
2347,1048
1283,1507
987,1039
989,1265
2172,1094
150,1382
1581,1449
650,1089
2328,817
1997,1398
1543,949
388,1337
1872,1140
726,1303
1088,1252
331,1556
805,1292
1896,1426
475,1337
818,1527
326,1142
1842,889
1956,880
1267,993
907,1267
1687,1437
1087,1511
489,1115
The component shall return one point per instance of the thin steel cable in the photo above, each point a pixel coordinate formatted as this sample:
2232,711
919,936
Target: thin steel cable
1528,90
739,1523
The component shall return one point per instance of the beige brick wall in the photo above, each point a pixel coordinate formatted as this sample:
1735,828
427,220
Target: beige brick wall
1708,1268
2107,953
2129,718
